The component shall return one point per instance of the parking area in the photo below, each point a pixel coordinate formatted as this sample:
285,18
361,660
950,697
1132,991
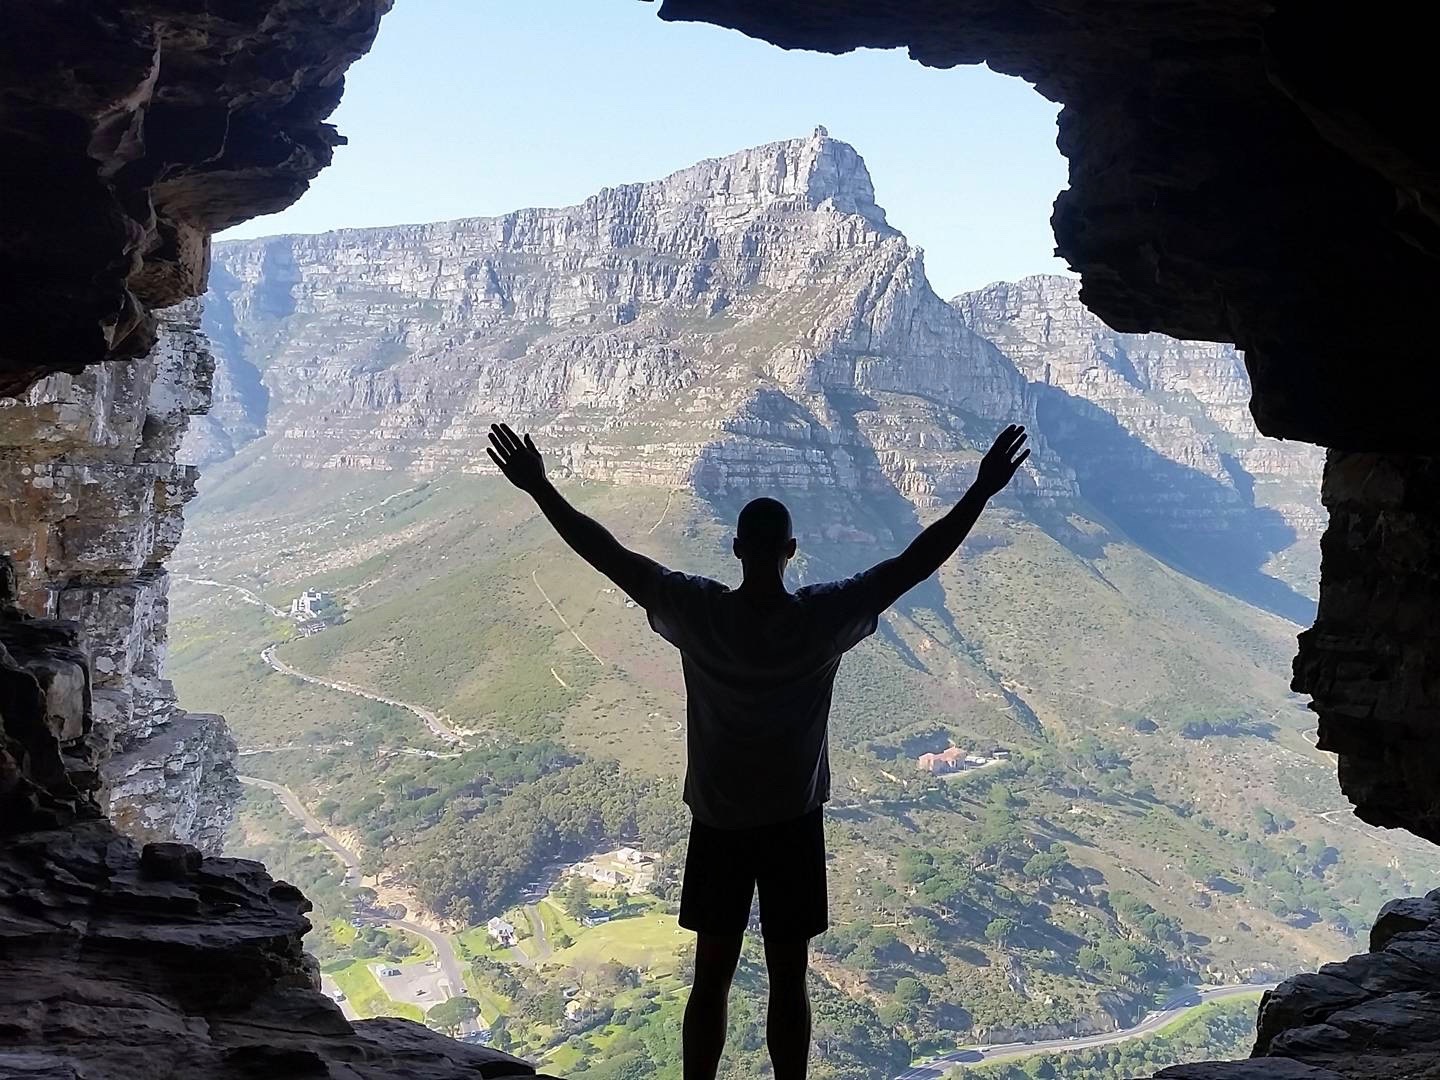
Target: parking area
327,985
420,983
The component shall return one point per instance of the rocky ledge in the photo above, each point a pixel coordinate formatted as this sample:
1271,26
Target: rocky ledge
123,962
1375,1015
95,495
128,134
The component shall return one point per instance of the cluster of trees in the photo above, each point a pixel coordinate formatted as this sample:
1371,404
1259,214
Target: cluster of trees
470,864
1295,879
470,831
451,1014
413,794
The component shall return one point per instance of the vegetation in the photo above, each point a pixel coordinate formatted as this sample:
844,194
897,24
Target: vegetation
1219,1030
1157,817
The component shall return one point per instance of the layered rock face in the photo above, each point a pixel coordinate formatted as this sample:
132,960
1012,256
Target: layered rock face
1372,660
94,498
750,322
1206,140
1159,432
129,132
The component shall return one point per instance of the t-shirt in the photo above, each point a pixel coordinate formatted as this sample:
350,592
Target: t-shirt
758,679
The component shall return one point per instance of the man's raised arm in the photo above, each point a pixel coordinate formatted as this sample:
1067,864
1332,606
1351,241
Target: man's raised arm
893,578
522,465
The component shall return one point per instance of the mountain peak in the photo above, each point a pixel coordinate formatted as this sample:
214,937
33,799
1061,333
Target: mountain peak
804,173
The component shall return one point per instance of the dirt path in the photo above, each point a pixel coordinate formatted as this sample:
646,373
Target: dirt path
565,621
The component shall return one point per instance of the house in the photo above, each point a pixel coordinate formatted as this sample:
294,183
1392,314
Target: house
946,761
633,856
606,876
308,604
595,917
975,760
501,931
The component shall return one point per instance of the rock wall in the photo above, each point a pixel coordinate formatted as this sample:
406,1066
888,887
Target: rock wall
94,499
1372,661
129,132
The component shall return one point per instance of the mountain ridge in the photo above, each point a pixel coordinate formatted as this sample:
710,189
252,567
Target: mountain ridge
749,323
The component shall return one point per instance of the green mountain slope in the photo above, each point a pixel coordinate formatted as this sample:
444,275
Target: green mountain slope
1109,855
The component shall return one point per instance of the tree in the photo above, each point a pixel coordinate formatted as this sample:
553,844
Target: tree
911,991
450,1015
576,896
999,930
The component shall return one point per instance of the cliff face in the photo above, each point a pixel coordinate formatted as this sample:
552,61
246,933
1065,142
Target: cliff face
94,498
1159,431
751,320
749,324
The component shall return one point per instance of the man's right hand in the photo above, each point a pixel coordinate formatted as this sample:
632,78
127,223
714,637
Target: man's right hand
1001,461
519,461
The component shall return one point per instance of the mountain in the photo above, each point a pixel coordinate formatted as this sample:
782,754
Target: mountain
749,323
1160,435
1151,809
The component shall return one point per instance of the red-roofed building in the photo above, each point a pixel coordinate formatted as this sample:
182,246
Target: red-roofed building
946,761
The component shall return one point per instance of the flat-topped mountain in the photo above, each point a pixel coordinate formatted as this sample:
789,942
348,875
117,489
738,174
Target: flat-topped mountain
751,323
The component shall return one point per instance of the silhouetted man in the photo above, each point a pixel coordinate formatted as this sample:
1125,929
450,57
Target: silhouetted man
759,664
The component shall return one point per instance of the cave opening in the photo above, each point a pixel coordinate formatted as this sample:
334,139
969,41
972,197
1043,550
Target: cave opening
1074,818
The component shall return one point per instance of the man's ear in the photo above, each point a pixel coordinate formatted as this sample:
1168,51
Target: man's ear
790,549
735,547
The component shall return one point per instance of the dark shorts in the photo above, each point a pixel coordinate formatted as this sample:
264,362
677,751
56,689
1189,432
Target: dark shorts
785,861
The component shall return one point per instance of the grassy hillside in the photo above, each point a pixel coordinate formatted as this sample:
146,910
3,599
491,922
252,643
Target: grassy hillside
1162,815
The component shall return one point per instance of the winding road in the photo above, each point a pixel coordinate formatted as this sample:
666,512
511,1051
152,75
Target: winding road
444,948
432,720
1178,1005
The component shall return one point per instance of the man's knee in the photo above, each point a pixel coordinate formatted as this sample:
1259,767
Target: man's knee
715,958
787,962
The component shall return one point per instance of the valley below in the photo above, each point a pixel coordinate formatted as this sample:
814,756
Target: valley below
1074,798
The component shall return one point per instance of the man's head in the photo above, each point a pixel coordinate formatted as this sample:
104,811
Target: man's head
763,533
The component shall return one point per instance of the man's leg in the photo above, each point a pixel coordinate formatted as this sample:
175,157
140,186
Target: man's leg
787,1023
704,1036
793,909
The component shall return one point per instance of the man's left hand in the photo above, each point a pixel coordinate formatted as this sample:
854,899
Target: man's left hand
517,459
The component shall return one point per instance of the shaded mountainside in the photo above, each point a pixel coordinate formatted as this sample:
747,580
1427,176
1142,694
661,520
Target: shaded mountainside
1160,435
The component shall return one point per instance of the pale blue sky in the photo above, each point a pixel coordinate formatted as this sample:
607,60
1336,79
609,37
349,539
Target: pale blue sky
478,107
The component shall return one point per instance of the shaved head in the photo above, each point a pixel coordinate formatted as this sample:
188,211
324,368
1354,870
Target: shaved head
763,528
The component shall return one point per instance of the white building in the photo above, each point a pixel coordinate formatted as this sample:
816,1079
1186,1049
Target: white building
309,604
501,931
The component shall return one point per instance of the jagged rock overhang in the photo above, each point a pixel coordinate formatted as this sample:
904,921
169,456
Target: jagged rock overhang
1254,173
130,133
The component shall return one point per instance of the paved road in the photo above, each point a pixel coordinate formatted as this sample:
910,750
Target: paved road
1176,1007
444,948
537,927
312,824
432,720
